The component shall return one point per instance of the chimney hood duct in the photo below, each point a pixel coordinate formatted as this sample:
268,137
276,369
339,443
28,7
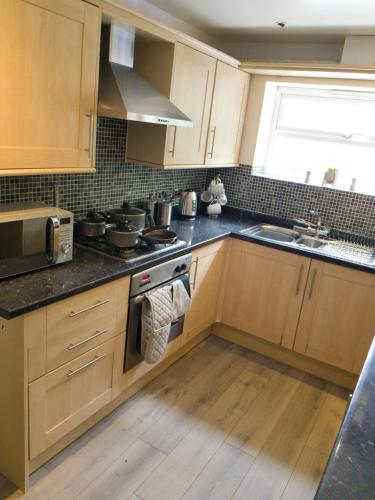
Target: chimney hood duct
125,94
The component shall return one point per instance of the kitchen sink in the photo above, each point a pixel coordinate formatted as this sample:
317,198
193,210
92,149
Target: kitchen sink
273,233
306,241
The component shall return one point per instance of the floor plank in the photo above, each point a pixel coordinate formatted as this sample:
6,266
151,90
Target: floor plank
222,475
274,465
221,423
176,423
253,429
327,426
125,475
193,453
306,475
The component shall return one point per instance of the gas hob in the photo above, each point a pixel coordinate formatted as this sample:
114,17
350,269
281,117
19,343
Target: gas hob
128,255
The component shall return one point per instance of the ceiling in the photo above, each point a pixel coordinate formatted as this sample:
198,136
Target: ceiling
255,20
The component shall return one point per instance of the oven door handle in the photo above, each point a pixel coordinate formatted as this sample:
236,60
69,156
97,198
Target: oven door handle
185,280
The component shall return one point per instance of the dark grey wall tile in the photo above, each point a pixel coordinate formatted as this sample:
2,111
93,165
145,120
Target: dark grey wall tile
341,210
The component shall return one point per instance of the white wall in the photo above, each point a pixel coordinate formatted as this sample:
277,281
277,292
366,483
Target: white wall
327,52
160,15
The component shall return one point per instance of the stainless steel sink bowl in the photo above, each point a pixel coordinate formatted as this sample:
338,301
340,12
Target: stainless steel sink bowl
306,241
273,233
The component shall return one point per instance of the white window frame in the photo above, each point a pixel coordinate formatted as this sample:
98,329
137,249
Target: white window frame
270,125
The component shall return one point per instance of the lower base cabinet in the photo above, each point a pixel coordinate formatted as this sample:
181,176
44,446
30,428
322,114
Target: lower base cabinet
264,291
206,278
321,310
337,321
67,396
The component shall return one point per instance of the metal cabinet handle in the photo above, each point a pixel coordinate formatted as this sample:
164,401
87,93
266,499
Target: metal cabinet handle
174,142
87,365
90,116
312,283
299,279
213,131
195,273
99,303
78,344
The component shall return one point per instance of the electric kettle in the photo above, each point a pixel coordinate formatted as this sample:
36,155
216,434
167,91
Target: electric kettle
188,204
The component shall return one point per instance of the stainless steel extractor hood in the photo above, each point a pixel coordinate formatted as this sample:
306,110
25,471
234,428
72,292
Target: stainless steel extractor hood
125,94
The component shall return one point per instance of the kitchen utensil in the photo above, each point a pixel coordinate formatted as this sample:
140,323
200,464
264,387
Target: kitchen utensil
122,235
216,187
149,206
164,213
188,204
93,225
206,196
214,208
135,216
222,199
157,235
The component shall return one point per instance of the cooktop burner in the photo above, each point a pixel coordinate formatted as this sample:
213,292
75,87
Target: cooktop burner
128,255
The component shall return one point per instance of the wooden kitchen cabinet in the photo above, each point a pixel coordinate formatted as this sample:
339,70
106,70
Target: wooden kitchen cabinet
69,395
205,281
227,115
338,316
264,291
186,77
49,55
211,93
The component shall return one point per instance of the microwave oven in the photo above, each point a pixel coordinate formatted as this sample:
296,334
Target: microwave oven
33,236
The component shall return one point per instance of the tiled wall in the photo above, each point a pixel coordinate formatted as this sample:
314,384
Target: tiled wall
114,181
351,212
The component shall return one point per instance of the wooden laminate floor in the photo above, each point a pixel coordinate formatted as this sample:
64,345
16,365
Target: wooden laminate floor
221,423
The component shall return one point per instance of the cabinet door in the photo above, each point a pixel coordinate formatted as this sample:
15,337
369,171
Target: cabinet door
192,87
205,278
338,316
227,115
66,397
264,292
48,90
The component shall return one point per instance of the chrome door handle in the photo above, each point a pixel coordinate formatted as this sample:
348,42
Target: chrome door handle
84,367
82,342
174,142
54,239
213,131
195,273
98,304
299,279
312,283
90,116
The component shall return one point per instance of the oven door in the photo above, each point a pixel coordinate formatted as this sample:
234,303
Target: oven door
133,354
29,244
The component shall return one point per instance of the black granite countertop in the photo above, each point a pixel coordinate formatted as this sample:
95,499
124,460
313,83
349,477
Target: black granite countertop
350,472
89,269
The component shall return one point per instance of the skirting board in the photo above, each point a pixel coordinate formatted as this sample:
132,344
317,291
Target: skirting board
124,396
303,363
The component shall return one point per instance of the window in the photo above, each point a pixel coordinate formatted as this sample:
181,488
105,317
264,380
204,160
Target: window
319,135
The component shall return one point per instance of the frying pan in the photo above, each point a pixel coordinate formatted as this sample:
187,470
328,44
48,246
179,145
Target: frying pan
157,235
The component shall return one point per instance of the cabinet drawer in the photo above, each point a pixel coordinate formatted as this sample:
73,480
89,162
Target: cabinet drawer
82,322
64,398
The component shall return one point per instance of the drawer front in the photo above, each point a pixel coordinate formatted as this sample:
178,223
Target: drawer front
82,322
64,398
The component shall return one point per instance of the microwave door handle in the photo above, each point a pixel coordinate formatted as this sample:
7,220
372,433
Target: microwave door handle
54,239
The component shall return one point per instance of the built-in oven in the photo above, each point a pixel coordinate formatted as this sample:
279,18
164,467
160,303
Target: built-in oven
33,236
150,279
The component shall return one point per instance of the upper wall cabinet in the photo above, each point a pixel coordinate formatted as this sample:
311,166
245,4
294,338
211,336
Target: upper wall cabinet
49,54
227,115
198,85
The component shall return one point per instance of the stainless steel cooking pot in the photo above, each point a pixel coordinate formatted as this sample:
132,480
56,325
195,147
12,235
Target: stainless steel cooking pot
122,235
93,225
133,215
